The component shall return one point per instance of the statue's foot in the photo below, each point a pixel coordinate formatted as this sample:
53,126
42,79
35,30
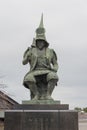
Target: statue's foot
35,98
48,97
42,98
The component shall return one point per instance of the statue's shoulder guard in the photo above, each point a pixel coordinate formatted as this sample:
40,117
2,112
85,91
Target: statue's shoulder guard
54,53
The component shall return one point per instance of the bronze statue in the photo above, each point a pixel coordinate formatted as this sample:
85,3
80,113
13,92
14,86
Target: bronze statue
42,77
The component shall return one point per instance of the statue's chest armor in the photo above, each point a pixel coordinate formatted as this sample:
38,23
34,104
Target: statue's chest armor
41,59
41,53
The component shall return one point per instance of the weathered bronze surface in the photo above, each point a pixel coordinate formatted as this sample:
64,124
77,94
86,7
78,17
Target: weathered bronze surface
42,77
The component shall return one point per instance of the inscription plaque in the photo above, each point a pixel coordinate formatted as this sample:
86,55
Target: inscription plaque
40,120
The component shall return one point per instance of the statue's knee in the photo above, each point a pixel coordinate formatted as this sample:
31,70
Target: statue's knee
30,83
30,78
52,76
52,82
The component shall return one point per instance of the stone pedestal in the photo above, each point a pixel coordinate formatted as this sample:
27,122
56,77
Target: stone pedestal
41,102
41,117
42,107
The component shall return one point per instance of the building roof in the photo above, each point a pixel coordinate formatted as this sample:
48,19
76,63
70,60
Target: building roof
6,102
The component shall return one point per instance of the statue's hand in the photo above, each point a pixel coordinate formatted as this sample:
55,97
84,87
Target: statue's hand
26,51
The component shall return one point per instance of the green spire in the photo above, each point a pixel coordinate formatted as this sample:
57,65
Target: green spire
40,31
41,28
41,22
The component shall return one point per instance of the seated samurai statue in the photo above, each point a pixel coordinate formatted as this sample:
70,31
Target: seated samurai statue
42,77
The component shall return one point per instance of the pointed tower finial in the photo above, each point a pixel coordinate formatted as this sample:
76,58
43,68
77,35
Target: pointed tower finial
40,32
41,22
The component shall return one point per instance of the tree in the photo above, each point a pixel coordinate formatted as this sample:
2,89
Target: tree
78,108
85,109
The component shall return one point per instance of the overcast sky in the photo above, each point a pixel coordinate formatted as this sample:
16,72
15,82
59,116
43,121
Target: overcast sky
65,22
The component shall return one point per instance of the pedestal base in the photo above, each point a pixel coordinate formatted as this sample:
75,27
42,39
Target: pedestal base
42,107
41,120
41,102
41,117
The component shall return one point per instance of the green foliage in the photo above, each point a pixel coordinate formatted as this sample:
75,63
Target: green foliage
78,108
85,109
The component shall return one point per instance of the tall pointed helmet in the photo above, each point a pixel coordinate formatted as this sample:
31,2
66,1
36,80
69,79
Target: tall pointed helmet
40,32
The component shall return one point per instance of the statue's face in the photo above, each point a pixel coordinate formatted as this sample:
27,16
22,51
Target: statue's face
40,44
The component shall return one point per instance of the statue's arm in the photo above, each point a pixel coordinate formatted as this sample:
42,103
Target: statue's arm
54,61
26,57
